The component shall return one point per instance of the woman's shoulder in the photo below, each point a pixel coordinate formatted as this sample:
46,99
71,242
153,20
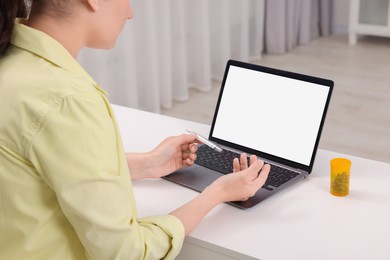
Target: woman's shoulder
31,87
24,72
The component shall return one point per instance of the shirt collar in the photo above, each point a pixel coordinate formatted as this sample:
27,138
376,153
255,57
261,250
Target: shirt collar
43,45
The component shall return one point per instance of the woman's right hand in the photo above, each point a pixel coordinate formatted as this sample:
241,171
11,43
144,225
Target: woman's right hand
244,182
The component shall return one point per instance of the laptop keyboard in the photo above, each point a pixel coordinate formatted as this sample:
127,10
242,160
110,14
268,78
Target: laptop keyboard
223,163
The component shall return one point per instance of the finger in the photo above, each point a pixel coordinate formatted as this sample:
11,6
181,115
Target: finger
186,148
261,163
193,148
243,161
236,165
254,169
189,158
189,155
192,156
189,162
187,139
253,159
261,179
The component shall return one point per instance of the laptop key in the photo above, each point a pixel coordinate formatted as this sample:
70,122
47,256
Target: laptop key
223,163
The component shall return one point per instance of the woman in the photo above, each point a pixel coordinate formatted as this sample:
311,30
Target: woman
65,191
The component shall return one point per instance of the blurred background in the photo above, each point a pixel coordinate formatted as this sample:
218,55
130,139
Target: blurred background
171,56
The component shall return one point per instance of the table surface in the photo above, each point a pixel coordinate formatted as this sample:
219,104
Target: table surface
302,222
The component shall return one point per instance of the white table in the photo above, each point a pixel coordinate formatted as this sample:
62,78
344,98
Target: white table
302,222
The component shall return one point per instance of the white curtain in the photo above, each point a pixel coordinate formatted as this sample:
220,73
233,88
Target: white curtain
172,45
289,23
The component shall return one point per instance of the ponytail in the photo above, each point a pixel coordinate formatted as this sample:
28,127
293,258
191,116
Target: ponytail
9,11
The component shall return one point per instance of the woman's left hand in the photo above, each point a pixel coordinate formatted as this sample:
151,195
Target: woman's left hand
173,153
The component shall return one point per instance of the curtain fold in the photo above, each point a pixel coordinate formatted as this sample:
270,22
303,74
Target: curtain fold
289,23
171,46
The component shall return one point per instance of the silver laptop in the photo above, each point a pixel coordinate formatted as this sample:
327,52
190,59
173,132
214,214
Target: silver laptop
274,114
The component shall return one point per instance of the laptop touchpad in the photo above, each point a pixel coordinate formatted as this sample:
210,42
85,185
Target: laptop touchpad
195,177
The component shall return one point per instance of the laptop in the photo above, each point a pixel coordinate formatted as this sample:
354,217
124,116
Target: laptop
274,114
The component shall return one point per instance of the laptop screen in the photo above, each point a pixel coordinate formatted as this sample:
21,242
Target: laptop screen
274,112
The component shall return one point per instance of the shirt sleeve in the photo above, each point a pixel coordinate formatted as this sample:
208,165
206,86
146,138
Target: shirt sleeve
78,153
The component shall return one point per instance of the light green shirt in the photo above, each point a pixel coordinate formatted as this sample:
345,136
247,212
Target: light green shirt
65,188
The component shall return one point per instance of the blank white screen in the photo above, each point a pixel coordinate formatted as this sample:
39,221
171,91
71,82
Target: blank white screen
269,113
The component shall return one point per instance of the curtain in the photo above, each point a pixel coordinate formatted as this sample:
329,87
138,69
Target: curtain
289,23
173,45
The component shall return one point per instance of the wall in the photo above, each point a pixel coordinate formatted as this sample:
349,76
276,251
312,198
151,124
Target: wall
340,16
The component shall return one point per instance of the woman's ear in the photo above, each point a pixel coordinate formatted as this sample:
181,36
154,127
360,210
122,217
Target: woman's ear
93,4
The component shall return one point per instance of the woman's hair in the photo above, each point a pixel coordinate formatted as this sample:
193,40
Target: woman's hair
9,11
12,9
